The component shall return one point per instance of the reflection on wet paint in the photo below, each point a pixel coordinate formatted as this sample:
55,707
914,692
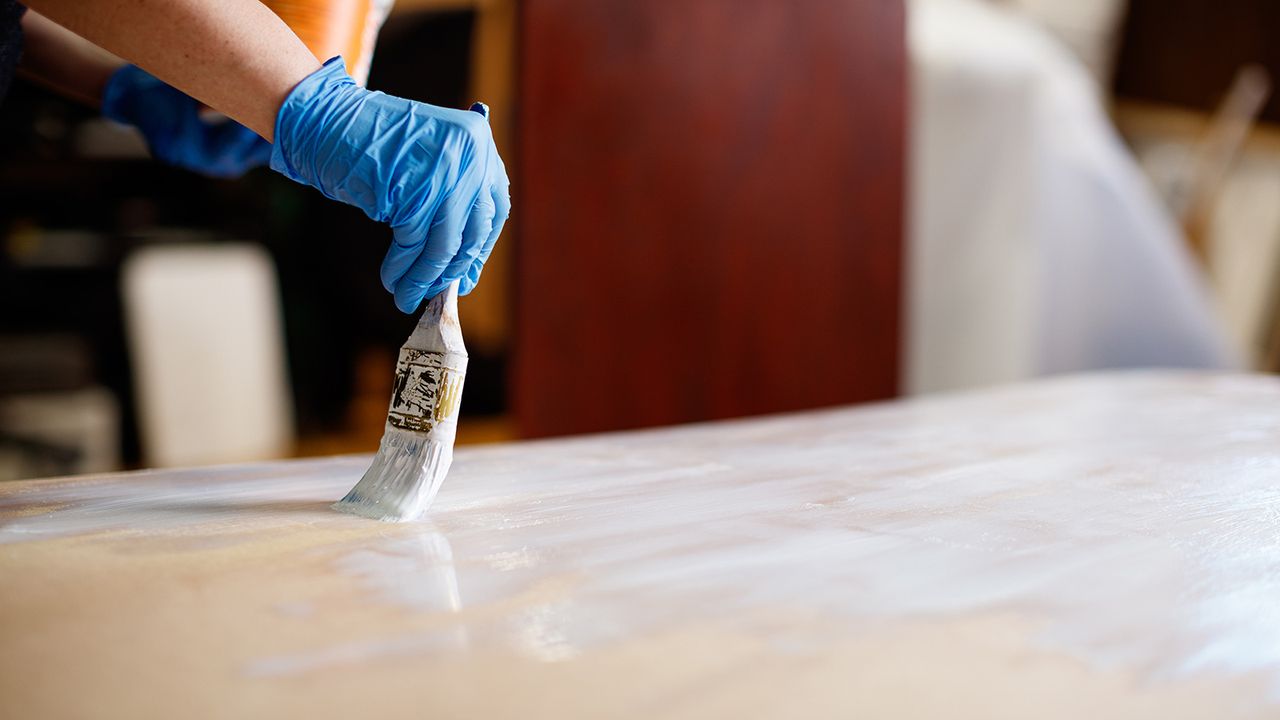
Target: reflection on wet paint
1128,525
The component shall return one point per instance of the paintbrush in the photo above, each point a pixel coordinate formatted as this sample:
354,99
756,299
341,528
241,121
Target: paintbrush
417,443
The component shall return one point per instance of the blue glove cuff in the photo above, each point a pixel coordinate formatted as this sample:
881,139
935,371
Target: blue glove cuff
292,129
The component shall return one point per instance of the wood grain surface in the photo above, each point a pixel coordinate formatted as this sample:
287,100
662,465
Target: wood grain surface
1087,547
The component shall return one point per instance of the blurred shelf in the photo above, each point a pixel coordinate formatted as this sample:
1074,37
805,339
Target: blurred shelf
1136,117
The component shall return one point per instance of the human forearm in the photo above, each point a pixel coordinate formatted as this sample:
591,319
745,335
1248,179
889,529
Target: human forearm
433,174
64,61
234,55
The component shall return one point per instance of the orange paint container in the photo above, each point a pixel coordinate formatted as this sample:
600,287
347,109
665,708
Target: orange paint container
336,27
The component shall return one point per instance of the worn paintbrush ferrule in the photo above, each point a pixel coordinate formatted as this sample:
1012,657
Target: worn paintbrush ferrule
427,390
417,443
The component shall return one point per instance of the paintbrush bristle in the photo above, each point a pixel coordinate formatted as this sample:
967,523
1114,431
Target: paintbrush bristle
403,479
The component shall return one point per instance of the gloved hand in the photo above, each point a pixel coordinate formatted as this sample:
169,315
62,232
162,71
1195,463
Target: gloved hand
431,173
175,132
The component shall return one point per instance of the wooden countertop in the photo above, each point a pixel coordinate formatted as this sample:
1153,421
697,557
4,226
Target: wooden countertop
1104,546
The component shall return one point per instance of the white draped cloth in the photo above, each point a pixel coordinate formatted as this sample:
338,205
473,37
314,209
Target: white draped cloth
1035,244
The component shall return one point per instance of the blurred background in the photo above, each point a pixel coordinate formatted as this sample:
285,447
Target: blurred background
721,208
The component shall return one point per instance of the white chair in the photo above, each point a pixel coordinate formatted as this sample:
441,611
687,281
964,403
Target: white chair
207,347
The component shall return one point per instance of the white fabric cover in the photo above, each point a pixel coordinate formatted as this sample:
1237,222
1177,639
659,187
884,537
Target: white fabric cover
1035,243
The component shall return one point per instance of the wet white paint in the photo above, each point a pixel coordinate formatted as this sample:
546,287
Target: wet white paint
1132,522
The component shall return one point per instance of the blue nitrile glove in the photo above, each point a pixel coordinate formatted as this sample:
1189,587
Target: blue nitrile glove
431,173
175,132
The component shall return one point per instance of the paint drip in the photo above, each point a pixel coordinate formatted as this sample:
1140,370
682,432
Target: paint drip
422,422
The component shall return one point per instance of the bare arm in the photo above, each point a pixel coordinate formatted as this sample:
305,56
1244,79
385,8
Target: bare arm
64,61
235,56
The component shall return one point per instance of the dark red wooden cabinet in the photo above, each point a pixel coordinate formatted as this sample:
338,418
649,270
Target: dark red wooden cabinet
709,203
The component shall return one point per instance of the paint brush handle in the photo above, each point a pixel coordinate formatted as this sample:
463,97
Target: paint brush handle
442,308
439,328
430,370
